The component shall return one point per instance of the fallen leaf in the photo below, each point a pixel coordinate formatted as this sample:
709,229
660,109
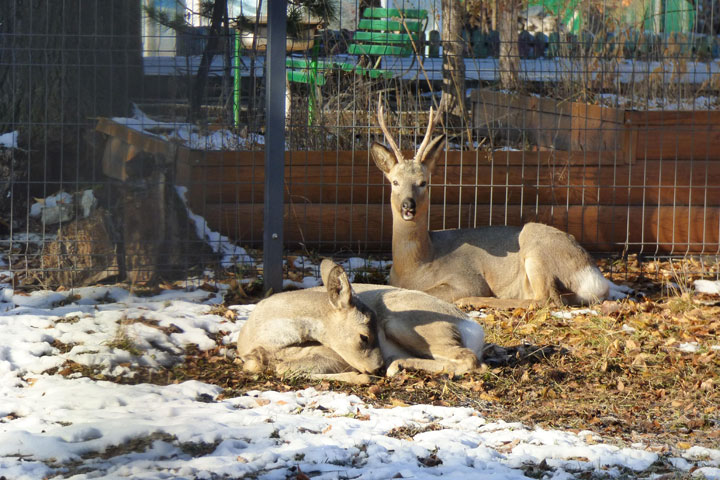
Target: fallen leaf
609,307
431,460
488,397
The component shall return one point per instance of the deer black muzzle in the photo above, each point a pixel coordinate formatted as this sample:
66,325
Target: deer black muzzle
408,208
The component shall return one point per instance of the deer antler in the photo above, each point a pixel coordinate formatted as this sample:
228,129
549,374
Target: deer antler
431,125
383,127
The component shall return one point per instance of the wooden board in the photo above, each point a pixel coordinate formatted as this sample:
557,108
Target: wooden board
547,123
124,145
655,203
668,135
650,230
518,118
574,126
142,141
596,128
356,180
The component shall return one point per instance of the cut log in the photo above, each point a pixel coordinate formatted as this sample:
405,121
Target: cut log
159,240
83,253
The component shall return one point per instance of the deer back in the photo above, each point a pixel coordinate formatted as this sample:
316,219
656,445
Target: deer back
418,324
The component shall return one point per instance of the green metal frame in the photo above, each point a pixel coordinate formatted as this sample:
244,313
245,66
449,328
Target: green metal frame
236,80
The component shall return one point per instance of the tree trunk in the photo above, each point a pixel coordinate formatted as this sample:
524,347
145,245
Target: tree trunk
453,90
63,65
509,62
211,48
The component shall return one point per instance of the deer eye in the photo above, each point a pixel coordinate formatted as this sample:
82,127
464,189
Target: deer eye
364,339
395,182
423,183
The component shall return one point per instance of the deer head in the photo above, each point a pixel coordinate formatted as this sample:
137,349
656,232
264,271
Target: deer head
409,178
352,326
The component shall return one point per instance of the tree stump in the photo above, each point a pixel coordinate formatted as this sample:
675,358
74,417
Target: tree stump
159,240
83,253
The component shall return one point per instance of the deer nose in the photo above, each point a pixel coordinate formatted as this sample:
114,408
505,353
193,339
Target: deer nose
407,209
408,204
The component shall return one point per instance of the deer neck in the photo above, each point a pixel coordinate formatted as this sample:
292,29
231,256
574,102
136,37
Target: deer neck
411,244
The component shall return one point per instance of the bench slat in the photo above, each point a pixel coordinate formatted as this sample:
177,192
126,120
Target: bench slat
374,12
389,25
383,37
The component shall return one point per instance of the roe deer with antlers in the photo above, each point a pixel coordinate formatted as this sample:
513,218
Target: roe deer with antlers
335,333
533,262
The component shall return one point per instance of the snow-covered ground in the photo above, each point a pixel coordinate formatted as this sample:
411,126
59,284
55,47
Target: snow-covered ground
625,71
53,426
189,135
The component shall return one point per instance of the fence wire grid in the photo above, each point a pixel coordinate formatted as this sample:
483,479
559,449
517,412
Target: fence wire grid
133,133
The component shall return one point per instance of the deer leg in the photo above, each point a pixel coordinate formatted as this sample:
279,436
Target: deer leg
318,362
542,282
477,303
443,291
456,361
256,361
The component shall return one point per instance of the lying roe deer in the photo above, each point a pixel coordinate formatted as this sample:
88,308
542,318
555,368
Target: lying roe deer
413,330
417,331
533,262
325,332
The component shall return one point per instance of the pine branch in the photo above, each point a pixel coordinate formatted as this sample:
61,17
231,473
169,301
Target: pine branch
176,22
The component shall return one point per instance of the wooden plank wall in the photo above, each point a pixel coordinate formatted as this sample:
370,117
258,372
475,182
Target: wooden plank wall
655,203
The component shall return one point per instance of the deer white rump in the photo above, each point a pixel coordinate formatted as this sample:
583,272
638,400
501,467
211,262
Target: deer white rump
347,333
532,262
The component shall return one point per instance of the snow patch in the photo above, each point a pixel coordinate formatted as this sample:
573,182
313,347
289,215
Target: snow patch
569,314
231,254
708,286
689,347
9,140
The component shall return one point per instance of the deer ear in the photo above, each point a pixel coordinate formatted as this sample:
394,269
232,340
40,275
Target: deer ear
432,152
326,267
338,288
383,156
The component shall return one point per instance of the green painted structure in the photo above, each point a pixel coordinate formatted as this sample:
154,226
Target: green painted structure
657,16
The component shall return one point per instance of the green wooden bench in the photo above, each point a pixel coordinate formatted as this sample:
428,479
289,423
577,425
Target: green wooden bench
310,71
307,70
381,32
386,31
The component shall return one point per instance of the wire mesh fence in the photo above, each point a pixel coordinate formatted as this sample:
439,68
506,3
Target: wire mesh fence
133,134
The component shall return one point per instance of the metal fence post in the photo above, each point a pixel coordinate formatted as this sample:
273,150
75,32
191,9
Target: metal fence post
274,145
